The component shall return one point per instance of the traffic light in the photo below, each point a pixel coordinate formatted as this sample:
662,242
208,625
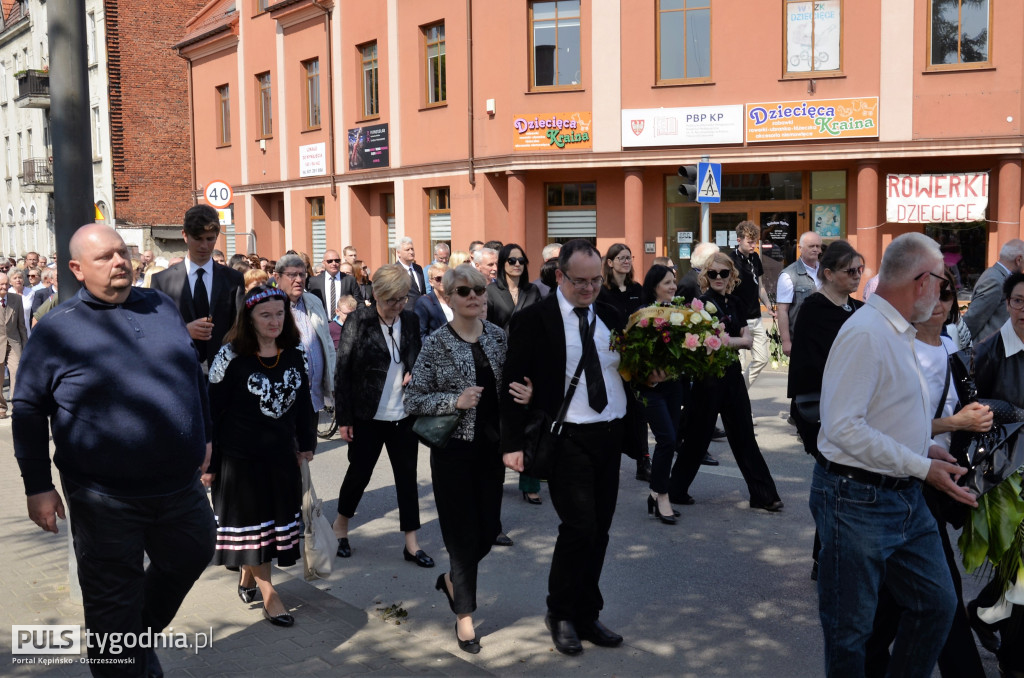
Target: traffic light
688,187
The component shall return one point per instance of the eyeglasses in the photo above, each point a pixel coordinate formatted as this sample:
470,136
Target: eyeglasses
623,258
437,278
713,274
856,270
1016,303
943,282
516,261
332,261
394,302
294,274
581,284
464,290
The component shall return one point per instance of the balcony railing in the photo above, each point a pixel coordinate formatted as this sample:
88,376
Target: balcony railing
33,89
37,175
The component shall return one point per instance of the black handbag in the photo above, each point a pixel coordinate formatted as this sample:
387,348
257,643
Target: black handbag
808,406
436,429
542,435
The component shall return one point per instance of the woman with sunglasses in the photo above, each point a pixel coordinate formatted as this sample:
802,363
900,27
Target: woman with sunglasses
263,428
511,290
376,352
459,370
433,309
726,396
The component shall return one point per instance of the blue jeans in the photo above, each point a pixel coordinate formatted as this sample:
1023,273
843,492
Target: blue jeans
662,411
871,535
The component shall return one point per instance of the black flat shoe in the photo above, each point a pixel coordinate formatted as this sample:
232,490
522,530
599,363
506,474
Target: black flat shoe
502,540
652,507
685,500
443,588
247,593
420,558
344,550
652,503
719,434
708,460
598,634
773,507
471,646
279,620
536,501
563,635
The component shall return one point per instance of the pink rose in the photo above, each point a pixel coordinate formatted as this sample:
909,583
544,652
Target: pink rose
713,343
697,305
643,322
691,341
659,322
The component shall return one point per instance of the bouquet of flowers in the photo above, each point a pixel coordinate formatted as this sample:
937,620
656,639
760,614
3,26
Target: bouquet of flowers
681,339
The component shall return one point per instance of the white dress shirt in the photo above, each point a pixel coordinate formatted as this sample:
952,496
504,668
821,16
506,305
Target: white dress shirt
392,400
1011,342
784,288
874,400
191,269
579,411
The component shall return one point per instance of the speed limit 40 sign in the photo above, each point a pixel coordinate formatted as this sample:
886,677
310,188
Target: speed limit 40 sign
219,194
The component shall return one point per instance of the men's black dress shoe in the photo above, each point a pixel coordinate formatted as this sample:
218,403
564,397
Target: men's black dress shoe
563,634
598,634
774,506
471,646
502,540
708,460
685,500
420,558
279,620
719,434
344,550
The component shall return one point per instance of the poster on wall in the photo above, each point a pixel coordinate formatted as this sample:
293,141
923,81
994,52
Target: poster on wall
827,221
697,126
552,132
812,36
313,160
812,120
935,198
368,147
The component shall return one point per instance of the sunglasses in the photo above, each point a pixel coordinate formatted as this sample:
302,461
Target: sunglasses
332,261
515,261
714,275
856,270
437,278
464,290
943,282
946,294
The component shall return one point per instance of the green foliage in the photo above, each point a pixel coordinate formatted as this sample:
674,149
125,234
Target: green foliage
994,531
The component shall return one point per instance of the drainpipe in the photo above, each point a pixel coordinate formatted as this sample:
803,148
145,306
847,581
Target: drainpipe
192,130
330,96
469,77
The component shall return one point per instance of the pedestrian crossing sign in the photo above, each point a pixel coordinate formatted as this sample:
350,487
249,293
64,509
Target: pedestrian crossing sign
710,187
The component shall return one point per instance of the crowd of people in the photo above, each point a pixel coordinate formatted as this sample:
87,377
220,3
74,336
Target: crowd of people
275,342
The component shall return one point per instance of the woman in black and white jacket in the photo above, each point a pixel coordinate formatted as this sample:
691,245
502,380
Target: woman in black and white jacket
459,369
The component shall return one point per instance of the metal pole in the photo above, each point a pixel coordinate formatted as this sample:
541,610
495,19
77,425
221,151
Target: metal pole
73,203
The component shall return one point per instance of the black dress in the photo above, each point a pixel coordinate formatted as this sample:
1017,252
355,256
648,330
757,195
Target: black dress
626,301
261,417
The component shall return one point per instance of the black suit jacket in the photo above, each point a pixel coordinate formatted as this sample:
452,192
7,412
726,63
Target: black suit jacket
413,292
363,360
428,310
348,285
500,308
689,287
39,298
536,349
227,295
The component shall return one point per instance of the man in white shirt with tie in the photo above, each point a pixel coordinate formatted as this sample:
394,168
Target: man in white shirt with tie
405,254
333,283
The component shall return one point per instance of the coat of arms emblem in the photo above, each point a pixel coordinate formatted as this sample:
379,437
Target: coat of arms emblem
637,126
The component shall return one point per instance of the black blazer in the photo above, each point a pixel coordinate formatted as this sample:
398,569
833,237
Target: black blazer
413,292
500,308
39,298
428,310
363,360
347,285
227,295
536,349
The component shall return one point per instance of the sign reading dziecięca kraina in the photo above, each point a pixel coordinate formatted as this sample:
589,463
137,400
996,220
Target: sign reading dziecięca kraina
552,132
812,120
935,198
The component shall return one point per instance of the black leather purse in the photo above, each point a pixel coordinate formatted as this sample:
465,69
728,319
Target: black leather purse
436,429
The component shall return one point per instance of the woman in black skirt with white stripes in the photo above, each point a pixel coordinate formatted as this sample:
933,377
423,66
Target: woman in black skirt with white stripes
263,427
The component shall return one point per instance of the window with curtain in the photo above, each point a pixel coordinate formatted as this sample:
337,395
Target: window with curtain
369,67
265,111
223,116
435,64
311,69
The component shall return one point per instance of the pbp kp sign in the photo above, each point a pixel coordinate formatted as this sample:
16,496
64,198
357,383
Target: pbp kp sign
46,639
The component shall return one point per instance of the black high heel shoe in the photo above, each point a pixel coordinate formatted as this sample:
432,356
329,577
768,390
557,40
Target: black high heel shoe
246,593
443,588
652,508
471,646
532,500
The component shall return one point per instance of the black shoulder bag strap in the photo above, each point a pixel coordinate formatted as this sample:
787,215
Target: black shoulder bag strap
556,425
945,393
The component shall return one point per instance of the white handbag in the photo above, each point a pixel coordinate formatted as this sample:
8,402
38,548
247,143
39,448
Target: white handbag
319,542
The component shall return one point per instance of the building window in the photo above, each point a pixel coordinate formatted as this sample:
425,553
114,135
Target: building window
223,116
371,102
813,36
91,37
555,44
828,203
684,40
439,214
261,6
7,156
572,212
265,112
389,220
17,164
3,83
959,32
435,63
318,227
97,134
312,70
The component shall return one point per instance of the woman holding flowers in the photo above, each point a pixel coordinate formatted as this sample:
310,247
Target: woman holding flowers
726,396
662,403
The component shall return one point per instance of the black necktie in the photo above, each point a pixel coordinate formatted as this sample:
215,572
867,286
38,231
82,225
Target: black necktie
592,367
200,297
412,274
334,296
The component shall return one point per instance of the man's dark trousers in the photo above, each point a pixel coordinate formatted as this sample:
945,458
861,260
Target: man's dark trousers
177,532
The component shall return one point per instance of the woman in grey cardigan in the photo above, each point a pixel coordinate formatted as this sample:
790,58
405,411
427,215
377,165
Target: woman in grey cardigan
459,370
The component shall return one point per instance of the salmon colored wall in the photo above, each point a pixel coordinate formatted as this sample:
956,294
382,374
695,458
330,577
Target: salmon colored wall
224,163
358,28
260,55
304,41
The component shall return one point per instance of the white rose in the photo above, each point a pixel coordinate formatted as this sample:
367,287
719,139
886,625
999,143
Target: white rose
705,315
676,319
694,318
710,308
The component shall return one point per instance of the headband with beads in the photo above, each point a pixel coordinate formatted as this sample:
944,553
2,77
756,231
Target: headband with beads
263,296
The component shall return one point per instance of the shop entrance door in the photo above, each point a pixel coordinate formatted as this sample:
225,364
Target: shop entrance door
964,248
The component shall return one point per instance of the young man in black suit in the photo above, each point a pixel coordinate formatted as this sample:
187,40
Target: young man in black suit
584,482
207,294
